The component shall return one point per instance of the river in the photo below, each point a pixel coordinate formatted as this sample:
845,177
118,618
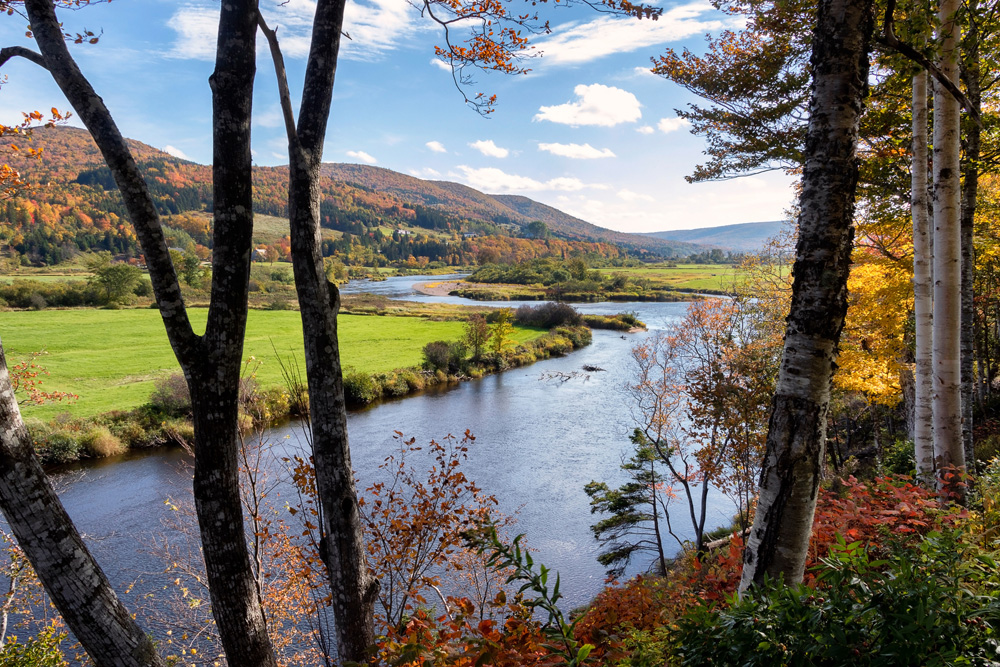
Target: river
538,442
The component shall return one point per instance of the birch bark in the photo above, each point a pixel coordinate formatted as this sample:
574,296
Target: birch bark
923,434
793,462
947,385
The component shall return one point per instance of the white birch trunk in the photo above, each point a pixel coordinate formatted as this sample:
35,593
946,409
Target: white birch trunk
796,439
923,433
947,373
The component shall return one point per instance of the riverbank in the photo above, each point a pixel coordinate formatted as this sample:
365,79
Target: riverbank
165,418
511,292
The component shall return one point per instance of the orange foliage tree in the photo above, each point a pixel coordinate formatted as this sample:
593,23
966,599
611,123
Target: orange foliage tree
699,393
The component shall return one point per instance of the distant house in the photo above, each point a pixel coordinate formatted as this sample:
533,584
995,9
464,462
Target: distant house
469,235
403,232
259,255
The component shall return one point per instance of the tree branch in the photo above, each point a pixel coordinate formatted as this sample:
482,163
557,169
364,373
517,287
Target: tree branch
888,39
279,70
9,52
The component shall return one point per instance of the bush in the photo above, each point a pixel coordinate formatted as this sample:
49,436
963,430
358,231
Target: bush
414,381
445,356
41,650
394,384
37,302
180,432
899,458
936,604
988,447
58,447
101,443
171,395
361,388
548,315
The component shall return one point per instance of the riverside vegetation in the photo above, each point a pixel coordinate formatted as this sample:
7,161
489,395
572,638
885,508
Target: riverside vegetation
432,345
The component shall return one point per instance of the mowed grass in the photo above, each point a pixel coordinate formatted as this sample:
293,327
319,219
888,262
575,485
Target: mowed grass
112,359
690,276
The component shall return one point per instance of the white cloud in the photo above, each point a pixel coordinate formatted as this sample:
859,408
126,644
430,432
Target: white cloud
362,156
375,26
576,151
487,147
645,129
436,146
440,64
197,31
598,105
426,172
604,36
668,125
176,152
491,179
630,196
641,72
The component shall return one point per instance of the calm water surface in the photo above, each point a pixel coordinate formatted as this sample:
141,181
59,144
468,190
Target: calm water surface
539,440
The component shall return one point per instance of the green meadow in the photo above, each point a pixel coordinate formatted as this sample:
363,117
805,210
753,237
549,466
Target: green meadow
683,276
111,358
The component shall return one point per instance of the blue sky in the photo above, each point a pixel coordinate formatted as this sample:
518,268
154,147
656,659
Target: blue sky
589,130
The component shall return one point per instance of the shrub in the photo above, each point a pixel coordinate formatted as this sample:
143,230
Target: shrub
548,315
445,356
436,355
58,447
414,381
361,388
129,432
935,604
279,303
171,395
181,431
899,458
987,448
41,650
100,442
394,384
37,302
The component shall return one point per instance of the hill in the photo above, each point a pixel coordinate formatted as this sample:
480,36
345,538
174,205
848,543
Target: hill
75,206
744,237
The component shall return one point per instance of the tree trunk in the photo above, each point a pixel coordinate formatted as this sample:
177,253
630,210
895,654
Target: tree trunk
794,457
71,576
923,433
342,548
970,186
212,362
949,452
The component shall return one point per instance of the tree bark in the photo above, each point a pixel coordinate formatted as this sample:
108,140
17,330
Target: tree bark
923,433
342,548
211,363
794,457
970,186
43,529
949,451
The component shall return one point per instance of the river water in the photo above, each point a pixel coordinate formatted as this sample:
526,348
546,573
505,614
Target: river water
539,440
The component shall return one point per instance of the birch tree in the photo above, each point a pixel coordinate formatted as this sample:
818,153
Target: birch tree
947,309
795,449
923,435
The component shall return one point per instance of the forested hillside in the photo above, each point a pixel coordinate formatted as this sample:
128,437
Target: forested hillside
73,206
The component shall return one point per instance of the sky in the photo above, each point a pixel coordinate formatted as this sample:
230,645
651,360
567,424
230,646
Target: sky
588,130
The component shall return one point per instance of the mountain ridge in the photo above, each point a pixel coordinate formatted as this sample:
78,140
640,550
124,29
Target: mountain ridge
353,194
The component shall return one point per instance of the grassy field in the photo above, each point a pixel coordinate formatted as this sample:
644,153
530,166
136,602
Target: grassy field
112,358
689,276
